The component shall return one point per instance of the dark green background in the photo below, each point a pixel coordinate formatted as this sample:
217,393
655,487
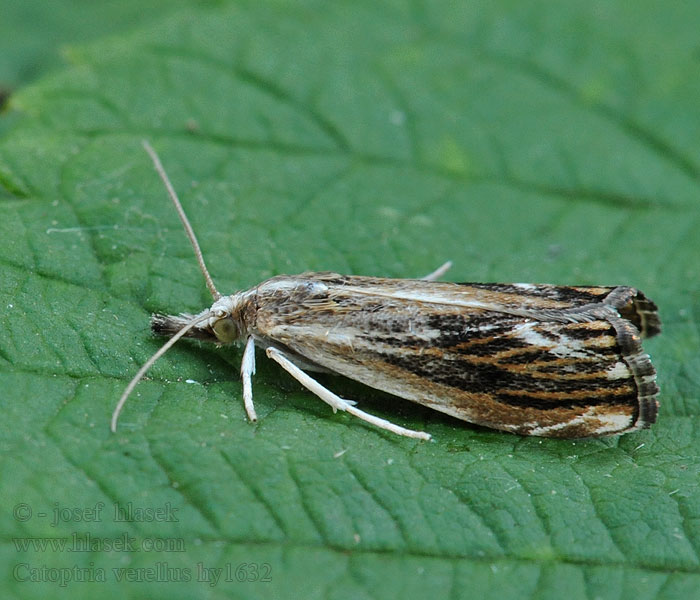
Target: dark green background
524,141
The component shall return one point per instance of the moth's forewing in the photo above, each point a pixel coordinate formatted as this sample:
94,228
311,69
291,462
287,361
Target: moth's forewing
529,359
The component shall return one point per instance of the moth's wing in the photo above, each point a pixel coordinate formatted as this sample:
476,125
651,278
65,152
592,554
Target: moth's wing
540,301
440,348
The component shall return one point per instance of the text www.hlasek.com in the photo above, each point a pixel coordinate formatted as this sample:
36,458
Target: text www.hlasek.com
85,542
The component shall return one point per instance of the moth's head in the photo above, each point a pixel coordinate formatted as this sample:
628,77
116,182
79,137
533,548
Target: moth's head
223,325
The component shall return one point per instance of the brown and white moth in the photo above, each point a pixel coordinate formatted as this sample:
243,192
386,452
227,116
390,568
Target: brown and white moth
545,360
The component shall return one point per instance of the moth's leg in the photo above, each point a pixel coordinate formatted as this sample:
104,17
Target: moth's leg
439,272
336,402
247,371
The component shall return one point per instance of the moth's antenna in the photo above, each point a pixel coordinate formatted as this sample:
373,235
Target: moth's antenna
149,363
183,217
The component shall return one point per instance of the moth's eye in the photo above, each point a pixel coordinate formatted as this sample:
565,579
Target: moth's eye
225,330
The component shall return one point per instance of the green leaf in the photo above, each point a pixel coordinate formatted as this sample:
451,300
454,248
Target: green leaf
32,38
525,142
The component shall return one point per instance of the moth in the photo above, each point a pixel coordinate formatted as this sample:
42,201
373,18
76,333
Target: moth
530,359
